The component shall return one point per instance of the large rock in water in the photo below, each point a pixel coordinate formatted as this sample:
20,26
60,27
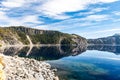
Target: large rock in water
27,69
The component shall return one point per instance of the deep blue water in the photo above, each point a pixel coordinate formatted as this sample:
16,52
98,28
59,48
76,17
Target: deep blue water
90,65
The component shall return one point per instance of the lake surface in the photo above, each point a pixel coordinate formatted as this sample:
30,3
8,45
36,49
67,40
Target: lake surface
98,62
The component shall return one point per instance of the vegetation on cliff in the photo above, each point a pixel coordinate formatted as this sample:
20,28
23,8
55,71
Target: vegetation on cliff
12,37
13,34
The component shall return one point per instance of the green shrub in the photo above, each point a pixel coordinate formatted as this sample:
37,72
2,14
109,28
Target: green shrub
22,37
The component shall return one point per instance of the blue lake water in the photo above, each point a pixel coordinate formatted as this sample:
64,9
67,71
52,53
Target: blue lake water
98,62
90,65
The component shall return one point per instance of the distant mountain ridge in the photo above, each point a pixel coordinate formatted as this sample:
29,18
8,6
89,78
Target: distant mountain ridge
111,40
18,36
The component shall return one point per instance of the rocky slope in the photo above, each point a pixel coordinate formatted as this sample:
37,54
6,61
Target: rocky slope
18,35
111,40
27,69
9,38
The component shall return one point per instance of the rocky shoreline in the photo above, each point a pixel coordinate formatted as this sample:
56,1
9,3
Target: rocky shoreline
17,68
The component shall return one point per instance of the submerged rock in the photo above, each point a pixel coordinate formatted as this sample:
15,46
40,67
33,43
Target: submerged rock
27,69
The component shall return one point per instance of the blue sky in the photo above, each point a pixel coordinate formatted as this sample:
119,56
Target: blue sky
88,18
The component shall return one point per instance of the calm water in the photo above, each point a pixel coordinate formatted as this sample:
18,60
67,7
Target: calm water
76,63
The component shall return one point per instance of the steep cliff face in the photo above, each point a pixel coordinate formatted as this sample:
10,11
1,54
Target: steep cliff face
7,37
111,40
18,35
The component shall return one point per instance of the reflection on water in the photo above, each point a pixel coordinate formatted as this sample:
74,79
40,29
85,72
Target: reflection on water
87,68
44,52
90,65
114,49
96,62
11,51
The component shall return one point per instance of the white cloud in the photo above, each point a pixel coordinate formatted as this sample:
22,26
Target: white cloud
13,3
105,31
98,9
4,9
45,27
32,19
58,7
96,17
53,9
24,20
59,17
3,15
92,11
6,21
99,33
108,1
69,24
117,13
61,6
76,23
18,3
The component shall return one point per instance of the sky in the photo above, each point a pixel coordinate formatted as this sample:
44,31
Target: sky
87,18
